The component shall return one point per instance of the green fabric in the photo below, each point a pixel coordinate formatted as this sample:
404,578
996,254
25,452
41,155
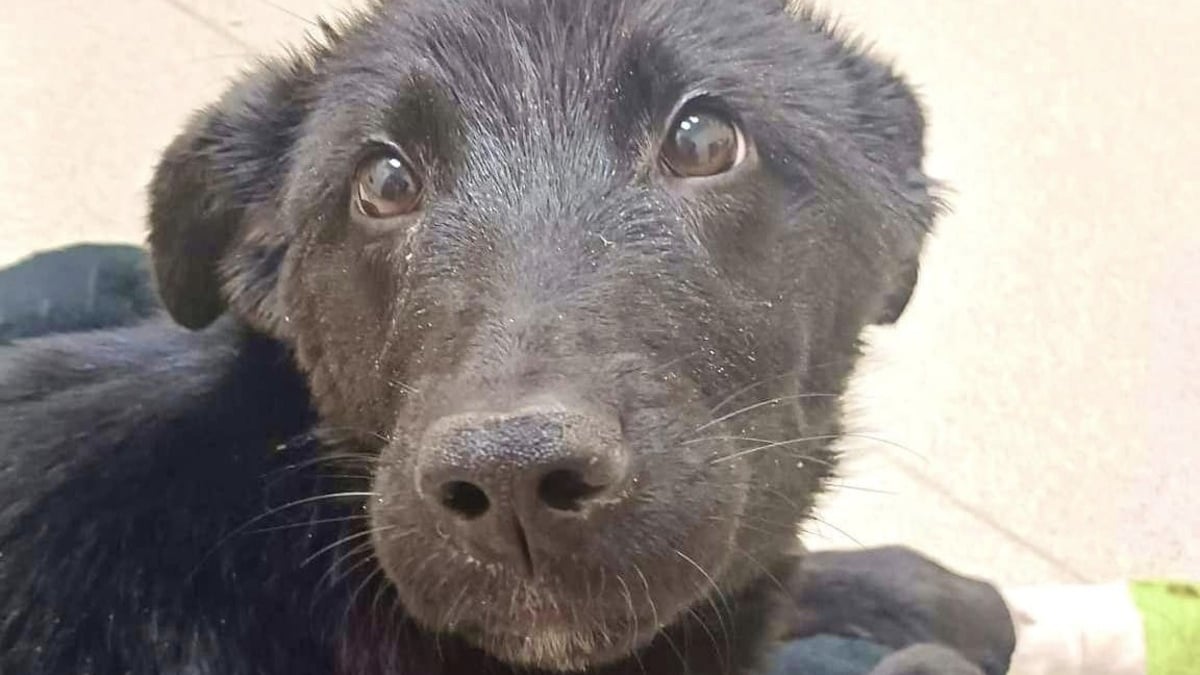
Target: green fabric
1171,621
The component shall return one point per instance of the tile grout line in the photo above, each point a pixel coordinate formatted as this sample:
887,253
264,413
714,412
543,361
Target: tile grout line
980,515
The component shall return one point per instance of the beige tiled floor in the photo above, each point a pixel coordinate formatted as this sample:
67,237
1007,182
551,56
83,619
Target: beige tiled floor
1045,384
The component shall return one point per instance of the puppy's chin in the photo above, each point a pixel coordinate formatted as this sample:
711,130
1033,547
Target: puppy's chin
538,627
562,648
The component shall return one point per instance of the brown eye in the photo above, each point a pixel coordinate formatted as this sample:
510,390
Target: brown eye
701,143
385,187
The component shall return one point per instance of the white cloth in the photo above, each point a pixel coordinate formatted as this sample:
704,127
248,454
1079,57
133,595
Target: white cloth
1076,630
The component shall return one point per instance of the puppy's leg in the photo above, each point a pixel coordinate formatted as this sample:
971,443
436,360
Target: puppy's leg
896,597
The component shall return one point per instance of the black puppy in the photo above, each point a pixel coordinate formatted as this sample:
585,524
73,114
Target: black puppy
540,316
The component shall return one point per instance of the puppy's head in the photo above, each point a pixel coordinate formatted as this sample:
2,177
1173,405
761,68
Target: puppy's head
596,270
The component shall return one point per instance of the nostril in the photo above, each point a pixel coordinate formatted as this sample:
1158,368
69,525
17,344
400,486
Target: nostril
465,499
566,490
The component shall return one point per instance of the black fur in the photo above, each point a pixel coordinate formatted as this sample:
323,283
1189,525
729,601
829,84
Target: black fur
221,501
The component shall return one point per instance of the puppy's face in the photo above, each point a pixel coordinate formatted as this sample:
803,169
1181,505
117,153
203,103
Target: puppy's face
594,271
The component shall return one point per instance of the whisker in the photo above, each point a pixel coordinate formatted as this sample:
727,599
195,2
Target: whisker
354,596
835,528
743,524
309,523
791,373
343,476
796,508
649,597
658,626
308,500
321,479
284,474
705,439
267,514
331,458
448,617
633,617
343,540
766,572
379,593
711,638
331,573
753,385
359,430
745,519
711,581
760,404
720,596
803,439
859,488
730,398
885,441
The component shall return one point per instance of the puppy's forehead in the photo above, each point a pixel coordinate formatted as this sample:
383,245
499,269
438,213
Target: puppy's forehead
517,62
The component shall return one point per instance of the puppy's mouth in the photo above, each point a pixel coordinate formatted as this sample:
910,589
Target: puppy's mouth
581,610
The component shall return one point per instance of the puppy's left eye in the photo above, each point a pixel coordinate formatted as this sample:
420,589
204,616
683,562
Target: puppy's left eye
385,186
702,142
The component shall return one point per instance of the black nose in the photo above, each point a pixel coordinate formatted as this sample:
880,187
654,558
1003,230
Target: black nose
518,487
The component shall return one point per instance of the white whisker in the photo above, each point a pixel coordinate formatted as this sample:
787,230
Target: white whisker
760,404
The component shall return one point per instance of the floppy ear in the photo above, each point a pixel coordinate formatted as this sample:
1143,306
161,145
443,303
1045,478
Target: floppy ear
897,301
215,194
891,128
904,137
888,125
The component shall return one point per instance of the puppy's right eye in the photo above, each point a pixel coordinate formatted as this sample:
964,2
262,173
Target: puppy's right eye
385,186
